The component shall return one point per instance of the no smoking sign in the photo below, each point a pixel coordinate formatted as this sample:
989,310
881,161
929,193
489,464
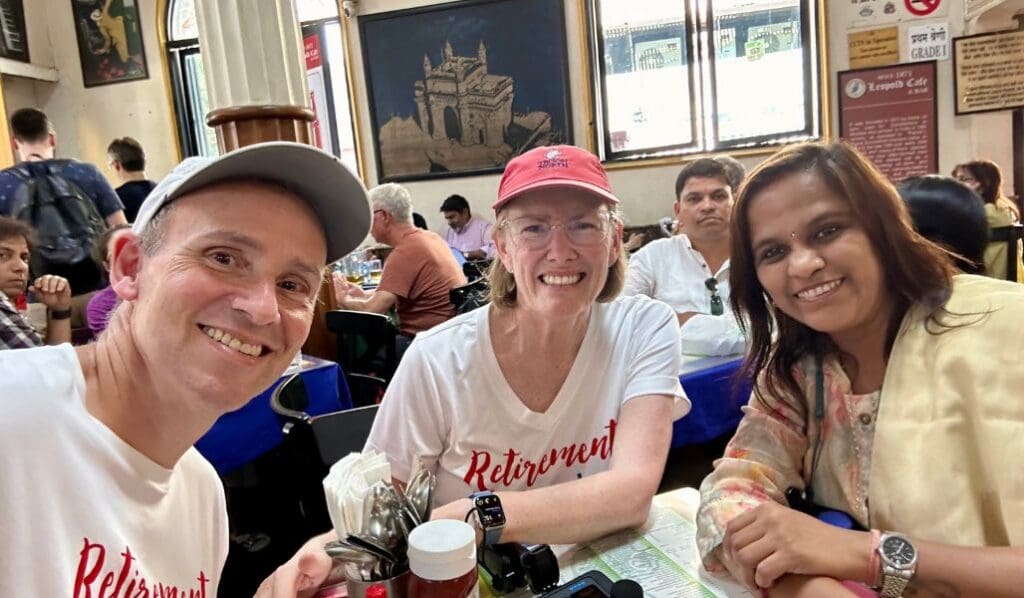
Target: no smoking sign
922,8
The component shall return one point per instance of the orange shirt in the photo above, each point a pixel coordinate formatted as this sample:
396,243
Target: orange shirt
420,271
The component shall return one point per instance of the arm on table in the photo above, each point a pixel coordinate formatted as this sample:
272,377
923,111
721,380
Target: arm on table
594,506
378,302
780,544
762,460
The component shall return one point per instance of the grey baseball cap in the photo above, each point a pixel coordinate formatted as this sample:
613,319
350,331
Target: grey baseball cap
331,189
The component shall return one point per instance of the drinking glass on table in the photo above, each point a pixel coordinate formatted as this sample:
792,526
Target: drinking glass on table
376,269
353,269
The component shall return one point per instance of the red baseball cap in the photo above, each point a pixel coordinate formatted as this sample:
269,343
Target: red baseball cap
554,166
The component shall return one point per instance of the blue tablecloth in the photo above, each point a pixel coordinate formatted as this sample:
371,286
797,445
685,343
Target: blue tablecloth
709,383
242,435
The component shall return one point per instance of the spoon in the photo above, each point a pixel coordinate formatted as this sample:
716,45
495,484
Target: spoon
372,546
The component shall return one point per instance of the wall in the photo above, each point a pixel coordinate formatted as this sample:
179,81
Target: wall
961,138
647,191
86,120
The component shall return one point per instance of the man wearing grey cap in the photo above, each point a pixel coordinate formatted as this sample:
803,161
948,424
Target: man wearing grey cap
101,492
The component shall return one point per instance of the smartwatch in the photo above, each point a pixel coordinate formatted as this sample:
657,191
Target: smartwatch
489,514
899,562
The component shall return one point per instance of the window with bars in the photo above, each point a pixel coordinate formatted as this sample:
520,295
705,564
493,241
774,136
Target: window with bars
682,76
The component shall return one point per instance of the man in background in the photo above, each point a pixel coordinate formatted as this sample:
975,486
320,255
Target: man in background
418,273
35,143
690,270
127,159
467,233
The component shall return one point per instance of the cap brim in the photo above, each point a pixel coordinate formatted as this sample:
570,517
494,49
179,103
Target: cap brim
331,189
556,183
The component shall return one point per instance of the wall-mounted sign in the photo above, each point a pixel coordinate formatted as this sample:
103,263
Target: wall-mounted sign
922,8
928,42
889,114
865,13
988,71
876,47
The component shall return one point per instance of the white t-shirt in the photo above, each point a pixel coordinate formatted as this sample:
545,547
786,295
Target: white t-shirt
82,513
672,271
450,404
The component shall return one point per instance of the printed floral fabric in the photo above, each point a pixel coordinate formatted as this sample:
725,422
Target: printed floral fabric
773,449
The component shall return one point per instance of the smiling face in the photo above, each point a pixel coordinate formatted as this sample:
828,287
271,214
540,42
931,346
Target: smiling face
704,208
225,300
815,260
14,254
561,276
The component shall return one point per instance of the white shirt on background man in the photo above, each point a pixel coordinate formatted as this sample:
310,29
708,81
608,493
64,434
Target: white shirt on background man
672,271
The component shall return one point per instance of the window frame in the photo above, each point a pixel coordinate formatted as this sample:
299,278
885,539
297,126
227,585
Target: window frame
700,45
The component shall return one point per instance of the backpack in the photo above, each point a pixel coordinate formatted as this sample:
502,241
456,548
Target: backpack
64,217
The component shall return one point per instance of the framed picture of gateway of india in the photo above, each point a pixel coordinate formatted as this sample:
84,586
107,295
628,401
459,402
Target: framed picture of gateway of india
460,88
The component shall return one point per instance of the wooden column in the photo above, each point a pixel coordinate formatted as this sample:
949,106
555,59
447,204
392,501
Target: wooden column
256,82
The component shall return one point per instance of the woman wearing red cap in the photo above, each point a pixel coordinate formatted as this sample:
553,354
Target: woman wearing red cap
526,396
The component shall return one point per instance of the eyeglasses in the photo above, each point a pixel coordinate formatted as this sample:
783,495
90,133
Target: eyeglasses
717,307
534,233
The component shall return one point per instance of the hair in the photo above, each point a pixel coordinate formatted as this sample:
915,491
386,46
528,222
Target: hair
949,213
502,283
455,203
101,251
705,167
129,153
10,228
913,268
393,198
152,236
29,125
988,175
419,221
733,169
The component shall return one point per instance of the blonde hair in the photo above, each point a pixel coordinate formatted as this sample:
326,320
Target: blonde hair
503,292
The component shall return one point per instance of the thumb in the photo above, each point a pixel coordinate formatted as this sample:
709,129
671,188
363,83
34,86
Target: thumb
313,571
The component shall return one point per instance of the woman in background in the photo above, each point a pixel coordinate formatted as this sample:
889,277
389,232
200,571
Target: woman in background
985,179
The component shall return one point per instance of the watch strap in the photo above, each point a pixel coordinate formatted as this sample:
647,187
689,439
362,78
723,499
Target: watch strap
60,314
893,582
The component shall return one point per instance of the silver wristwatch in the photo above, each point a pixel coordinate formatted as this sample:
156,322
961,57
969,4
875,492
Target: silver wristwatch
899,562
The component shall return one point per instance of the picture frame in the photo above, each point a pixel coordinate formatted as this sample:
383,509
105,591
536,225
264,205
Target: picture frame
13,33
988,74
460,88
110,44
890,113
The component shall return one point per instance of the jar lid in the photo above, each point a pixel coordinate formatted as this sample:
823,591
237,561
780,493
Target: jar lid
442,549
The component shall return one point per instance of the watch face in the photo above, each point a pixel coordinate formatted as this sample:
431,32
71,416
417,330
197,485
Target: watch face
898,551
489,510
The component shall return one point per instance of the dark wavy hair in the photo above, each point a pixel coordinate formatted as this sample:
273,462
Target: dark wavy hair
914,269
948,212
